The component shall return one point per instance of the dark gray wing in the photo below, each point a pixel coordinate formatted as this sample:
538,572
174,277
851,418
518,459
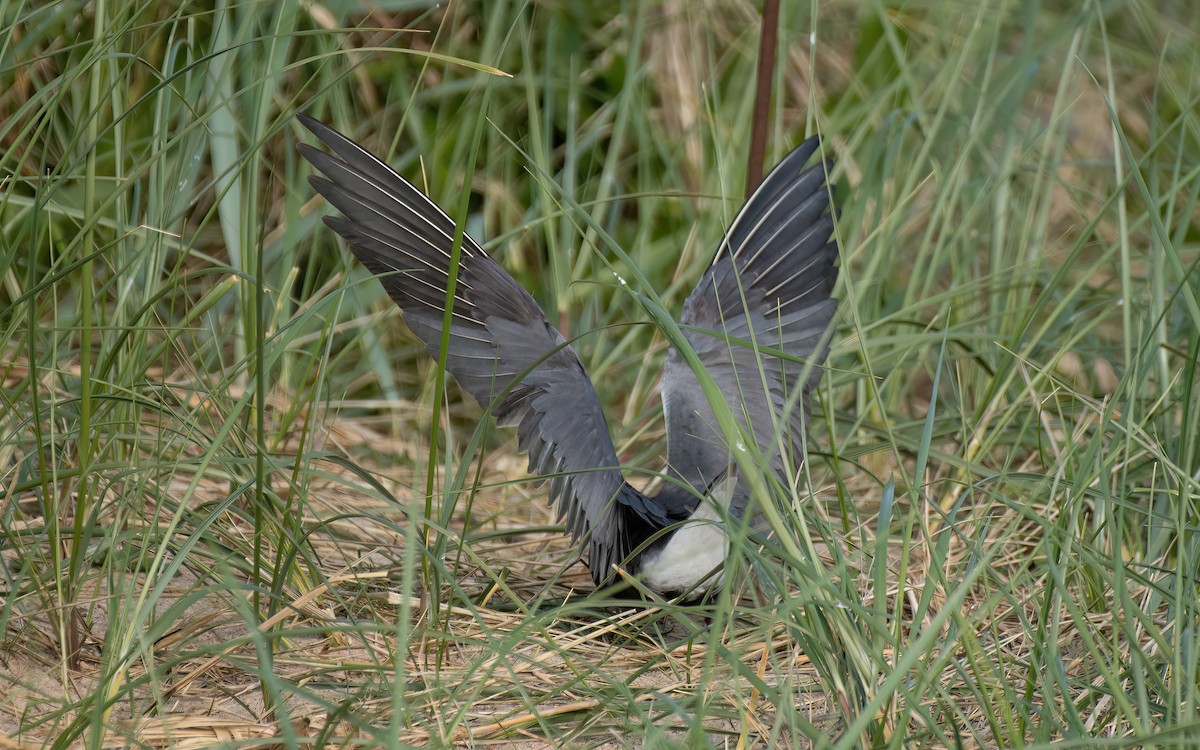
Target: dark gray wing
502,349
770,282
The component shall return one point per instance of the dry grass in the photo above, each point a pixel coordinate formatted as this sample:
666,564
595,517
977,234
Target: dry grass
206,668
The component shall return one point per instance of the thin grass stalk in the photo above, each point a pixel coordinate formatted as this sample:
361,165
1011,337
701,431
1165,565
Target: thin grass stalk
432,581
70,625
768,41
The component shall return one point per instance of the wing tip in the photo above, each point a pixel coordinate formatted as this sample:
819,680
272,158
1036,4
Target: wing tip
323,132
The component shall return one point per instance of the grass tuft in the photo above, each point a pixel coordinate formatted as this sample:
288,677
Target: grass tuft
238,504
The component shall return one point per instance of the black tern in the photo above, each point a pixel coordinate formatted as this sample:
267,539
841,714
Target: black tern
770,283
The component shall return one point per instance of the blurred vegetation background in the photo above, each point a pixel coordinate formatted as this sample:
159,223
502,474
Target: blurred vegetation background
221,518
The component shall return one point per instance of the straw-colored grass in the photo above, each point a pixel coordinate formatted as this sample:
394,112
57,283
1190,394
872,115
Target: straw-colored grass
224,516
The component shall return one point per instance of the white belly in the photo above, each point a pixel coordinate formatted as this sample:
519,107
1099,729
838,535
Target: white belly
690,558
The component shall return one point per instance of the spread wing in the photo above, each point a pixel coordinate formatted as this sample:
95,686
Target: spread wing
769,283
501,349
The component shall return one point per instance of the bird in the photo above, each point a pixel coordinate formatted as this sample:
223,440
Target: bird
771,281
